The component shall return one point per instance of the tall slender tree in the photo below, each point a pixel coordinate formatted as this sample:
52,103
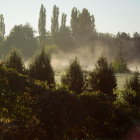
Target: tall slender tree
74,22
63,20
42,25
2,27
55,22
64,39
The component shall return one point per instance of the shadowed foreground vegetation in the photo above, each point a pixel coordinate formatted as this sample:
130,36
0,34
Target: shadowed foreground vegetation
83,107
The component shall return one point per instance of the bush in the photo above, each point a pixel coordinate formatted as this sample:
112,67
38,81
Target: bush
133,83
14,60
120,66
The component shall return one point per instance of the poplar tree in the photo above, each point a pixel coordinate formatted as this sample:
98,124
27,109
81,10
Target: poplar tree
74,22
2,27
42,25
63,20
64,38
55,22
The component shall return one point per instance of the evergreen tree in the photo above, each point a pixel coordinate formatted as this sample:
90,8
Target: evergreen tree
14,60
2,27
103,77
42,25
74,78
55,22
41,68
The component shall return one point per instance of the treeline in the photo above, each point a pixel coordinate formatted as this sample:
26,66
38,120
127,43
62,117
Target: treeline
33,106
81,33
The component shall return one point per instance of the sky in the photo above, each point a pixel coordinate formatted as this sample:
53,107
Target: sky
111,16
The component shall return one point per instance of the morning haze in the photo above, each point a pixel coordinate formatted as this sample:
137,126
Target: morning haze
69,70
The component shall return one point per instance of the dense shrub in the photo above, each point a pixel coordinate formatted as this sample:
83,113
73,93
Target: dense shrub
134,82
14,60
120,65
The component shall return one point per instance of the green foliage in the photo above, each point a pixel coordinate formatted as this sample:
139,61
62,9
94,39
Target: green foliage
63,20
2,27
16,113
14,60
41,68
120,66
55,22
82,116
42,25
86,24
22,37
11,79
74,77
103,77
125,97
31,109
133,83
82,25
64,39
74,23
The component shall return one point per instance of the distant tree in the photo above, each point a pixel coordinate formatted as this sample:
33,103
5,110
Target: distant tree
14,60
86,24
74,22
64,39
123,35
136,39
55,22
2,27
22,37
41,68
74,77
63,20
119,65
42,25
136,35
103,77
1,44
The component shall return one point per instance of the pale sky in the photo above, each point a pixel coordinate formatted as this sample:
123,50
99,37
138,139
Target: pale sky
110,15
